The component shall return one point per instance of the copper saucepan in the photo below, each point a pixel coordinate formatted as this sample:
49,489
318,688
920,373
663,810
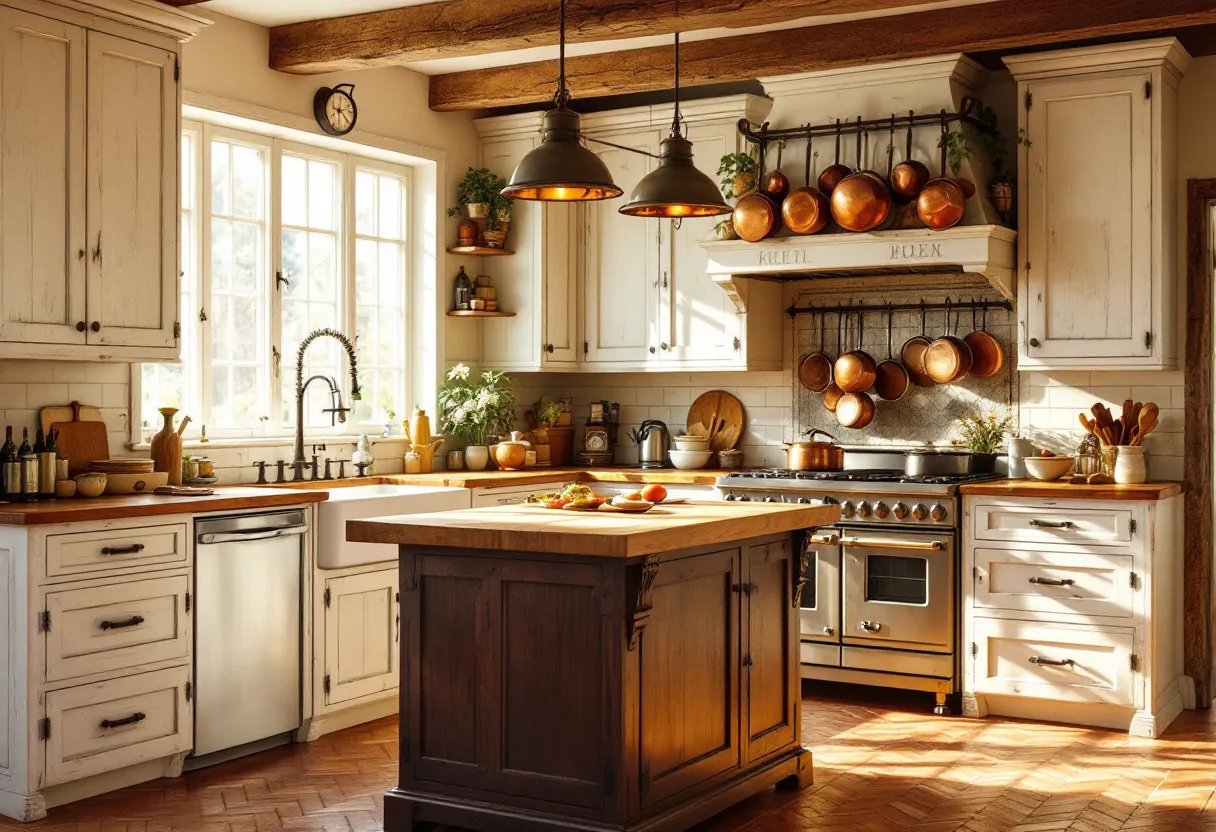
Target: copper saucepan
891,377
947,359
815,456
776,186
988,356
855,371
940,205
832,395
830,177
806,210
910,175
855,410
815,370
861,202
912,354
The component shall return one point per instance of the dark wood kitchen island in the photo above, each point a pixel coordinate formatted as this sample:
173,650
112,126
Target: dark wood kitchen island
567,671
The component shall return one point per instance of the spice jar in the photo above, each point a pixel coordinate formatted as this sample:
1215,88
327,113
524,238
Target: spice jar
1129,465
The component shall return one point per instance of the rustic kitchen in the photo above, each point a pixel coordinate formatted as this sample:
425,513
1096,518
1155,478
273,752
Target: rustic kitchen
437,415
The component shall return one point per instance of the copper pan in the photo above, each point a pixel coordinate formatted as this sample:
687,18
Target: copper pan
832,395
861,202
855,410
891,377
855,371
988,356
912,355
815,370
806,210
775,185
947,359
940,205
755,217
910,175
831,176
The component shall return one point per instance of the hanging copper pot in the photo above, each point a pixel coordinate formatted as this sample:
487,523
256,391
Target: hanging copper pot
806,210
912,355
988,356
940,205
776,186
948,359
831,396
891,377
756,216
861,202
910,176
855,410
815,370
831,176
854,372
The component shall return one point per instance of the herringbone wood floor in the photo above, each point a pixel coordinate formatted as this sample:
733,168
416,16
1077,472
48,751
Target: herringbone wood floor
882,763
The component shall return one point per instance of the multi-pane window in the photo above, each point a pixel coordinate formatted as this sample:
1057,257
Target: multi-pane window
279,239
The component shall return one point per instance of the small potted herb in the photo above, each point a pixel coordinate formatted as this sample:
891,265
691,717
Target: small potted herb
476,192
990,139
738,172
984,436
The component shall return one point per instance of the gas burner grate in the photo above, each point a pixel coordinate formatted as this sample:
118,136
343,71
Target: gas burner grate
876,475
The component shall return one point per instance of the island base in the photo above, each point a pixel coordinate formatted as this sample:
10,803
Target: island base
407,811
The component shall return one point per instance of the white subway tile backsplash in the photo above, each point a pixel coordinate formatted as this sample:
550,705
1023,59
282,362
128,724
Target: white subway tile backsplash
38,396
87,393
12,396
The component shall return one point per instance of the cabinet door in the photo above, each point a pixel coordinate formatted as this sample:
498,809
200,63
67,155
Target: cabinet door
1089,218
515,343
770,674
361,635
559,305
132,194
689,698
42,191
622,286
699,321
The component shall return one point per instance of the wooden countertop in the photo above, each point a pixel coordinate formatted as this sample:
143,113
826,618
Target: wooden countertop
600,534
81,509
529,476
1064,490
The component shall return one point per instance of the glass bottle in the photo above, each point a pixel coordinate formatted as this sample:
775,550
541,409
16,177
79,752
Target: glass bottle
25,448
463,290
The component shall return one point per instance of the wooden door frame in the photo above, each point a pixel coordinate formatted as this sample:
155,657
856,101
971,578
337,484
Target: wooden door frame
1197,500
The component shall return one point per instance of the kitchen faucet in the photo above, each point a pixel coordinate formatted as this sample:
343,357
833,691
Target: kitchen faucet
337,412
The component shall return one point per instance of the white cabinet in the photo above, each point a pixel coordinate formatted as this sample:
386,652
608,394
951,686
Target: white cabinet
89,184
1097,206
362,636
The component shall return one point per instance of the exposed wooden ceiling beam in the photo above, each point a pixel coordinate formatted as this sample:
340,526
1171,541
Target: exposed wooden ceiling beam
182,2
1008,25
459,28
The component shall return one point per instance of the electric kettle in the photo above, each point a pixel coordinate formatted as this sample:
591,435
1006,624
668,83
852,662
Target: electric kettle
653,444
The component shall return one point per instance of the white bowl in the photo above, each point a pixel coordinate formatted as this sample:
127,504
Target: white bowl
1048,467
689,460
693,443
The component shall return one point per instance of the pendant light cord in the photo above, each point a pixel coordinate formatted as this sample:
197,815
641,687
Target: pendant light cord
563,93
675,119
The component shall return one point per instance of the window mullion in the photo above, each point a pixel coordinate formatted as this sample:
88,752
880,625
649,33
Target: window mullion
349,237
204,281
276,295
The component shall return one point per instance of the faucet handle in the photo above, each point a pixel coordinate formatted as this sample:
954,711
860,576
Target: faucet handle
261,466
328,471
282,477
316,469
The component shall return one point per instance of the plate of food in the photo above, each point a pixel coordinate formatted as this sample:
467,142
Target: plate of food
631,503
573,497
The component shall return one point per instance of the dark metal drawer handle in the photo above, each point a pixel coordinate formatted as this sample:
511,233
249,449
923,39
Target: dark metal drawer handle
133,549
1052,524
870,626
1039,660
133,621
1052,581
119,723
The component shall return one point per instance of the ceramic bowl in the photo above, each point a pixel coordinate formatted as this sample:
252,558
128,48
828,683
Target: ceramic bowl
691,443
91,485
65,488
1048,467
689,460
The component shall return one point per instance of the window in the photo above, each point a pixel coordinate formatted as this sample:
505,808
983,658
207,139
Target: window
279,239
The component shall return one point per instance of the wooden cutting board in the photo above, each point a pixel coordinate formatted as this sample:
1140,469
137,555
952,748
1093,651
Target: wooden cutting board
81,442
722,415
63,413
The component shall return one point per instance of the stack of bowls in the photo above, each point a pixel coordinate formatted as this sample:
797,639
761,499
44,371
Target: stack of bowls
691,452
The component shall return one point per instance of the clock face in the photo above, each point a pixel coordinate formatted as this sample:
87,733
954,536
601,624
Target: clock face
597,441
334,109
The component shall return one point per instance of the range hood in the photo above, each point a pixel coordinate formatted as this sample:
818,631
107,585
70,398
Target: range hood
987,250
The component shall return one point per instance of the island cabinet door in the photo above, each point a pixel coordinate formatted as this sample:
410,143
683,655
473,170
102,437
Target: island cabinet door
688,676
508,677
770,673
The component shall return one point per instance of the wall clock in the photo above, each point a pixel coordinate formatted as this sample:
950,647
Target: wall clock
334,108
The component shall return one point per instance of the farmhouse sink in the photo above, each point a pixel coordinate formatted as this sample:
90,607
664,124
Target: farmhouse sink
380,500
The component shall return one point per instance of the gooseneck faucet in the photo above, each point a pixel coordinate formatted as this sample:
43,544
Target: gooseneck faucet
337,412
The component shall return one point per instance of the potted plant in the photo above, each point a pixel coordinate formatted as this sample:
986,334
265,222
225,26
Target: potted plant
498,221
738,172
996,148
475,192
984,436
474,408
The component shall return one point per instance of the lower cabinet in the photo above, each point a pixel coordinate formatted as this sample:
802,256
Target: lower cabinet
362,632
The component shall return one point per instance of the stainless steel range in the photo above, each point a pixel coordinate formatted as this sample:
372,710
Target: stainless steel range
880,603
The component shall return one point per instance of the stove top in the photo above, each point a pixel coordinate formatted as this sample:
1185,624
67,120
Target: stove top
781,477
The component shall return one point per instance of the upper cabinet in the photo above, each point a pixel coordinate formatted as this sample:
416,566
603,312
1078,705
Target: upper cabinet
89,123
1098,206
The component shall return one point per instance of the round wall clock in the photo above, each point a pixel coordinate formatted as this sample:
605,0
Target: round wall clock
334,109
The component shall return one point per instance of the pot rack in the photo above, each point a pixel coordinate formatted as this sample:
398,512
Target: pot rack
853,308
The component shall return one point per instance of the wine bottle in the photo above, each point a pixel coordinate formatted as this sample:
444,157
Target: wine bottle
8,454
8,450
463,290
39,442
25,447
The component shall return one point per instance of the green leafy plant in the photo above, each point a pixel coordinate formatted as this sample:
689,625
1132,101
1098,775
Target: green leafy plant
475,406
738,172
479,187
502,208
985,435
547,412
988,137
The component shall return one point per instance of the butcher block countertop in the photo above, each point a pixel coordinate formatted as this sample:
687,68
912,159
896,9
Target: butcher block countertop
1065,491
81,509
599,534
529,476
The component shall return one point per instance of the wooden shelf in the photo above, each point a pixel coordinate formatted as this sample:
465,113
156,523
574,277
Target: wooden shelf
480,251
478,313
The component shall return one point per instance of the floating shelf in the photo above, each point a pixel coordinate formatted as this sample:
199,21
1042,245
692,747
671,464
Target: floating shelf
478,313
480,251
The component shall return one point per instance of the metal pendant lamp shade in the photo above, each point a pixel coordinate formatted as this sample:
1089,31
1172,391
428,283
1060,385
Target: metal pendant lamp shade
676,188
561,169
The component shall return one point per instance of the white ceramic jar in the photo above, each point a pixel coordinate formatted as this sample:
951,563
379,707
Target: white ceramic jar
476,457
1129,465
1018,449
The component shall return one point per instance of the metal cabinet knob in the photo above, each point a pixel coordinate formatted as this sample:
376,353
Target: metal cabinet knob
870,626
80,326
1034,342
652,350
549,349
95,326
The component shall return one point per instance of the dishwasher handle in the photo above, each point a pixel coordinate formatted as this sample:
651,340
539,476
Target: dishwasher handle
253,534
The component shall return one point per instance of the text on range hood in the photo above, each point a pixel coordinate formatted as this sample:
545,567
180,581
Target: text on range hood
987,250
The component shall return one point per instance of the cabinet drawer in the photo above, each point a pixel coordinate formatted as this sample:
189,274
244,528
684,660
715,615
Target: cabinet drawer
1065,583
104,628
83,552
1067,663
1052,524
111,725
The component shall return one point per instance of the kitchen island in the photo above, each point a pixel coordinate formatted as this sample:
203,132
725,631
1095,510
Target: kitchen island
608,671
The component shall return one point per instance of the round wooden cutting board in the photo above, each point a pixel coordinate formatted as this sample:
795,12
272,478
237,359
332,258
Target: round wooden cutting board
722,415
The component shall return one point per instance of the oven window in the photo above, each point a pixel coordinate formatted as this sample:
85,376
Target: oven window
897,580
810,588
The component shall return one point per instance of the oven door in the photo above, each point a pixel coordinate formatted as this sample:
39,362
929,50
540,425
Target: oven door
899,590
820,614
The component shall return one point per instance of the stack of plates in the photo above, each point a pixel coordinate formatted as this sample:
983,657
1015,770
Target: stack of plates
122,466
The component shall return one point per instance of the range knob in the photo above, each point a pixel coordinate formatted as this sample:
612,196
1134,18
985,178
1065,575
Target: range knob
863,509
804,500
900,510
770,499
919,512
938,512
730,498
846,508
830,501
881,511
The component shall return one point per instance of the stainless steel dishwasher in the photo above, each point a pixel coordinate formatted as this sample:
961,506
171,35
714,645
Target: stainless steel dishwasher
247,633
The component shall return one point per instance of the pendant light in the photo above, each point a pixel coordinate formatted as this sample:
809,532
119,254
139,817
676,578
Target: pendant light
676,188
561,169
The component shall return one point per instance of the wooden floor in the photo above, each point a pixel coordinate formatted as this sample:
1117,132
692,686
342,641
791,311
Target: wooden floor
882,762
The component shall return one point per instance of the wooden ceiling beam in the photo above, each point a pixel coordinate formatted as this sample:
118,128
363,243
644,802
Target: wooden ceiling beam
182,2
459,28
1004,26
